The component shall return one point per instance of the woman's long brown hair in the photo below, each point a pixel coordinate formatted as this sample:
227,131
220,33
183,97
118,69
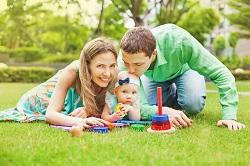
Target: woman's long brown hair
93,101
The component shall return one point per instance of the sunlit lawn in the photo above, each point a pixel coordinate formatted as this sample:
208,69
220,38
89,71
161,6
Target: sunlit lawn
202,144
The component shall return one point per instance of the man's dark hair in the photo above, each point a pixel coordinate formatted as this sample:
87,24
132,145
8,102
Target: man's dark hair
138,39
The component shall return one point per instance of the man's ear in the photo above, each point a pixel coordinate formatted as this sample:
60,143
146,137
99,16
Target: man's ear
154,54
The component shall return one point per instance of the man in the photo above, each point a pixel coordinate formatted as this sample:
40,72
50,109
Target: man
170,57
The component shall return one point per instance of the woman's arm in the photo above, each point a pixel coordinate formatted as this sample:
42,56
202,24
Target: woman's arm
66,80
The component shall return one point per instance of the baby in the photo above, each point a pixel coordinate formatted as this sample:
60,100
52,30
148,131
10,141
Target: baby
124,100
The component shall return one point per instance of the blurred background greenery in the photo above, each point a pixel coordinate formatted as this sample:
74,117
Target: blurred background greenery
53,32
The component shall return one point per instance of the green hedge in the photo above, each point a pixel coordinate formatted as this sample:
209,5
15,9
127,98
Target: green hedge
24,54
59,58
25,74
245,75
41,74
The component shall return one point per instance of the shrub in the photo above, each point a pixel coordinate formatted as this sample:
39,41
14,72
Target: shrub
27,54
232,62
25,74
59,58
245,75
219,44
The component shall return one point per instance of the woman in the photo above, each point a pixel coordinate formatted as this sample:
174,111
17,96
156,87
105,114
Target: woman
75,96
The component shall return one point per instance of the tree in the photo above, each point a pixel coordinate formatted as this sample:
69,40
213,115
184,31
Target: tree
219,45
64,24
241,17
18,18
98,30
135,9
171,11
55,31
109,24
200,22
232,40
113,24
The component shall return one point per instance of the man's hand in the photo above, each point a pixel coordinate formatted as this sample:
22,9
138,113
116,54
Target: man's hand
231,124
177,118
79,112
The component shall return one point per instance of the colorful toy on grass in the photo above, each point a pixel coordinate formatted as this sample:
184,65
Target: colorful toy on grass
160,122
137,127
99,129
78,132
105,129
129,122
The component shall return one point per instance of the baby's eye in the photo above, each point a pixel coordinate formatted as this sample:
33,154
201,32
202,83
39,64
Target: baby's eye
134,92
114,65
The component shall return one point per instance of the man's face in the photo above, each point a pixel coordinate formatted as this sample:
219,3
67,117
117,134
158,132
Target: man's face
136,63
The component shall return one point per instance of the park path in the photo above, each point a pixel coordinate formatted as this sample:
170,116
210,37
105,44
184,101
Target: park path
247,93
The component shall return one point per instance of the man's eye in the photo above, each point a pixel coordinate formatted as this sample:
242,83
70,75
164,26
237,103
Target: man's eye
139,64
99,66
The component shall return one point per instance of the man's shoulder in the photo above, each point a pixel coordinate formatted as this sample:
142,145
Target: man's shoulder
165,27
168,30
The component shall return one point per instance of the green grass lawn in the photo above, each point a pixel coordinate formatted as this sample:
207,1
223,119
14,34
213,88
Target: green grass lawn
202,144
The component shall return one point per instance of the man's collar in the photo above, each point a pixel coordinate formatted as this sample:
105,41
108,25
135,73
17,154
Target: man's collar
160,59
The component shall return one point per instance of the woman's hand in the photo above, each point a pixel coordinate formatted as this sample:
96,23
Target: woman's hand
79,113
91,121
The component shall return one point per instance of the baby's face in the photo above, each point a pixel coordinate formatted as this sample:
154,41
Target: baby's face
127,93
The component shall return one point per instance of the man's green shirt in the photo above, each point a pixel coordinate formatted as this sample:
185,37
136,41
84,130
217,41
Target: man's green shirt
177,52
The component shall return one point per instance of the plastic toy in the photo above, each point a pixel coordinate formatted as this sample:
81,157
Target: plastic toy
65,128
118,109
135,122
76,131
137,127
160,122
121,124
99,129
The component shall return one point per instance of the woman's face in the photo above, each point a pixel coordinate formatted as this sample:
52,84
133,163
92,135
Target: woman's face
103,68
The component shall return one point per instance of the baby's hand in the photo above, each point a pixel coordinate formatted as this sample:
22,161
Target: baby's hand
126,108
118,115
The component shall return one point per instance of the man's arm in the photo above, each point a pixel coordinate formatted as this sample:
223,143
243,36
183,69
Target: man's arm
202,61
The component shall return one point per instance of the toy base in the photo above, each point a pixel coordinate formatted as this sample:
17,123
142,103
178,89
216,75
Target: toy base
171,130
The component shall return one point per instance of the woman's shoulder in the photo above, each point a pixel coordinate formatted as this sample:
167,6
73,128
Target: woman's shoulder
74,66
69,74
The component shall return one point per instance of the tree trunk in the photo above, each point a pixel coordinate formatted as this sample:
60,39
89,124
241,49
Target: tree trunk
98,30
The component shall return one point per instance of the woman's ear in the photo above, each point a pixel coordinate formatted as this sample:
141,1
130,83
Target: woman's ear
114,91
